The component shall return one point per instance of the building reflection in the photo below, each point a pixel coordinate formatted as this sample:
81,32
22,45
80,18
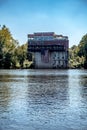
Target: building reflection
48,89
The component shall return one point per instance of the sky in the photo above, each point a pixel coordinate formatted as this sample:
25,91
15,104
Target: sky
66,17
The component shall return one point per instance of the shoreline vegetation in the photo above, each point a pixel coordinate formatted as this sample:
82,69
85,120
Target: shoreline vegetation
14,56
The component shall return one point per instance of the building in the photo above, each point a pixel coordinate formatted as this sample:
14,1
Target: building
49,49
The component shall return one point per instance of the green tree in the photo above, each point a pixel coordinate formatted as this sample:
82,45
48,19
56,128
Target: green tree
7,47
21,52
83,49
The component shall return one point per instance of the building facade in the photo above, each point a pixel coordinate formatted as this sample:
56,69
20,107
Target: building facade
49,50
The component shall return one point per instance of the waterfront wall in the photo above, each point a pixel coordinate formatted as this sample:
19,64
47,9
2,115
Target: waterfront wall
53,60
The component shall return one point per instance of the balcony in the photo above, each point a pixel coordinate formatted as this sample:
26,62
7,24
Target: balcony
51,48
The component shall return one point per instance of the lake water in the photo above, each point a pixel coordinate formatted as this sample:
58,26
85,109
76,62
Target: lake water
43,99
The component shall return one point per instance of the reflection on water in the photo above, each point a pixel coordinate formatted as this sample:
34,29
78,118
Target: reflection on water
43,100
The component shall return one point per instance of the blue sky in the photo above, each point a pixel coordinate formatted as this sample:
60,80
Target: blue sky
66,17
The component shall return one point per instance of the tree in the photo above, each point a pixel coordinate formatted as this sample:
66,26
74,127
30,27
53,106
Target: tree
7,47
21,52
83,49
1,54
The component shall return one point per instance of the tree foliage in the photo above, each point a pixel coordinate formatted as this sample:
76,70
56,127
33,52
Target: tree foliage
78,54
6,47
21,52
11,54
83,49
83,46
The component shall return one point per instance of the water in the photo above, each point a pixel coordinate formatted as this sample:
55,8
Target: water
43,99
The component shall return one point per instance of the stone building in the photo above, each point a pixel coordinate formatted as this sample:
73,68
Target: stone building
49,50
